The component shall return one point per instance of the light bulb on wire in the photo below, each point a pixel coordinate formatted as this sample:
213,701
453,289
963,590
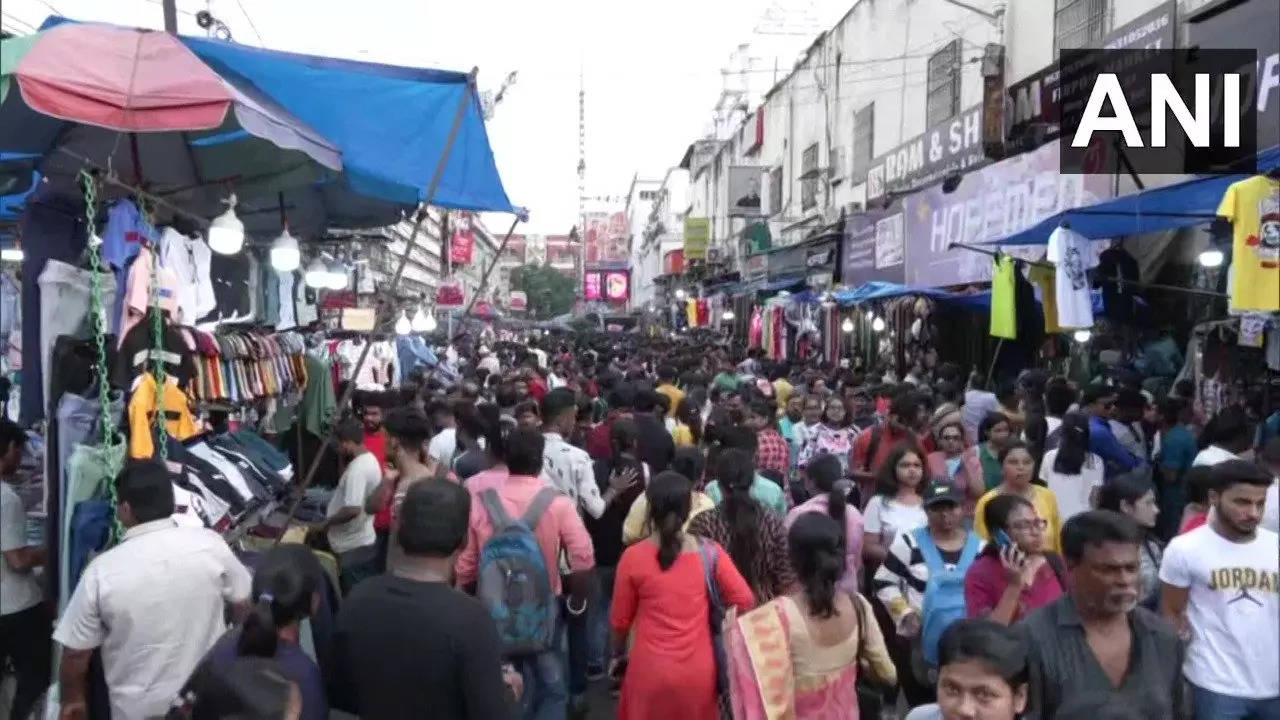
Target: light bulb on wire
878,324
317,275
871,314
727,315
285,256
403,326
1081,336
1211,258
419,321
226,232
337,276
847,325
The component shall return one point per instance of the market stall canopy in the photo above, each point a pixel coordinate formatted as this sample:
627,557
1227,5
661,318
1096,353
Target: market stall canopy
1190,202
392,123
142,104
878,290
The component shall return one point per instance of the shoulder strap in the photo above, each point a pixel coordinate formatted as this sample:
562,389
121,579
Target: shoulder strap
928,549
492,505
541,502
708,556
1059,570
972,545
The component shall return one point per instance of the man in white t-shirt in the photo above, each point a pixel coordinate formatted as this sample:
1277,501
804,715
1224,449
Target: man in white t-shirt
1270,457
1231,437
1219,587
348,527
444,445
24,623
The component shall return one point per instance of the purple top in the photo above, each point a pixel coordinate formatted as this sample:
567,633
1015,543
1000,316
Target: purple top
853,536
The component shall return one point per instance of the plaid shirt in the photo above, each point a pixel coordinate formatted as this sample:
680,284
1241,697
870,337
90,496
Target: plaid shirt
773,453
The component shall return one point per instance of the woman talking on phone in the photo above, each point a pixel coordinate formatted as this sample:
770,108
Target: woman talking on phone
1015,573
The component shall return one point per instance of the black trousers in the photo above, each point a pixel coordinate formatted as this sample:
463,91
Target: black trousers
25,643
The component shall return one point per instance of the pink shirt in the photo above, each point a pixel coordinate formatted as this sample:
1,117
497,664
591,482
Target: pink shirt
559,527
853,534
985,583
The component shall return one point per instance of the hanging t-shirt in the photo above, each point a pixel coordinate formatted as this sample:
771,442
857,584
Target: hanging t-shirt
304,303
124,234
1043,278
1253,207
1004,318
1233,610
1118,297
1072,253
288,318
188,259
230,279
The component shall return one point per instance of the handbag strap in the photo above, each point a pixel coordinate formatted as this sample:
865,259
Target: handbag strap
709,571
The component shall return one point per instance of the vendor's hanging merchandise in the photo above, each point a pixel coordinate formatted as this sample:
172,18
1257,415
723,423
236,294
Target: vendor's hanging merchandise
1073,256
1044,278
189,260
1119,291
1253,208
1003,312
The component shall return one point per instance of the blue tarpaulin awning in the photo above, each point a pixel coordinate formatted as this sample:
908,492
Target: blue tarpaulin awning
1190,202
879,290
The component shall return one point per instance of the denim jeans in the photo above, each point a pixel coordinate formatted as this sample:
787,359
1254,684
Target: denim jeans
64,309
577,646
598,628
1213,706
545,693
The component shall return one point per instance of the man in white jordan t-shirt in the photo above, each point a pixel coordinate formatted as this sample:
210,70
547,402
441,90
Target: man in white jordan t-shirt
1219,587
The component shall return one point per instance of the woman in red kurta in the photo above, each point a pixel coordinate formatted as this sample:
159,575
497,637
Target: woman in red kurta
661,592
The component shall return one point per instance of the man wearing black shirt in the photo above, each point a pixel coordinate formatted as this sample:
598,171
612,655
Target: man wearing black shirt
654,444
407,643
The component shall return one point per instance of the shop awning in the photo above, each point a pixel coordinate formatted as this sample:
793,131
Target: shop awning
878,290
1190,202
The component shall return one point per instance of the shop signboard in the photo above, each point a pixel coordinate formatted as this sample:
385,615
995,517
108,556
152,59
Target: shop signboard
788,262
673,262
1034,105
607,239
697,235
989,204
1249,25
820,257
757,267
461,245
517,300
450,295
873,247
949,147
744,191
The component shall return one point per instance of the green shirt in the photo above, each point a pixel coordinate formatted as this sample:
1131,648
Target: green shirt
726,381
992,475
763,490
318,401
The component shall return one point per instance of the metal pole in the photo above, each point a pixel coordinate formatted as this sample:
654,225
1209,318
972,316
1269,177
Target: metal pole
170,16
446,248
484,279
467,96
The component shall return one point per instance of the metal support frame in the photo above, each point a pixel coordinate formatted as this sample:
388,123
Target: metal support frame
468,95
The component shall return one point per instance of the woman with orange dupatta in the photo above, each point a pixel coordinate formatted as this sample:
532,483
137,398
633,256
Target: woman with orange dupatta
798,657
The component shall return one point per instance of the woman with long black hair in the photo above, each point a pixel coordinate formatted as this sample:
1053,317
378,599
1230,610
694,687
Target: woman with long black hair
1072,472
755,538
284,594
829,492
661,591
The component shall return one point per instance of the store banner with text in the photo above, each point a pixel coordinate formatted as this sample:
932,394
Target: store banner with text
873,247
949,147
1250,25
989,204
450,295
697,235
517,300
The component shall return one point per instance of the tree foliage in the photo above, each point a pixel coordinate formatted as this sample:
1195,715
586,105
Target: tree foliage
550,292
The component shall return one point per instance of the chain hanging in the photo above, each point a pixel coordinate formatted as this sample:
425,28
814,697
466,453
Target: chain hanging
110,445
157,340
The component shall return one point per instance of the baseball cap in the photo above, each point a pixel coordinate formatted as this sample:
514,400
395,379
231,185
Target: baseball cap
941,492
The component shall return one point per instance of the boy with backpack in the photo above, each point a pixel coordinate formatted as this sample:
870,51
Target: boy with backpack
921,583
517,530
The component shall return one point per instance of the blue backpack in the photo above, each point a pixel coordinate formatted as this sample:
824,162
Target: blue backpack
944,592
514,582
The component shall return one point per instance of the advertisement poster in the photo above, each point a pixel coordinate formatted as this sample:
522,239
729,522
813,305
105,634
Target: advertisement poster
591,286
697,235
617,286
744,191
450,295
461,246
989,204
873,247
595,229
517,300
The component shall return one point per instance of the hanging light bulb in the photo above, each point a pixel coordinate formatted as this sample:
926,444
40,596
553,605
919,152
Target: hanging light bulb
727,315
337,276
680,294
429,323
1211,258
403,326
1081,336
285,256
784,293
871,314
878,324
419,321
11,254
317,275
226,232
847,325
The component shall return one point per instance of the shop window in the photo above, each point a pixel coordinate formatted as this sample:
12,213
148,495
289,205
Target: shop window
943,82
1079,23
863,141
775,191
809,177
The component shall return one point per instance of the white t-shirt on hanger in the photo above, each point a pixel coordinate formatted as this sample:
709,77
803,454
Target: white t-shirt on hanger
287,316
1073,255
188,259
1233,609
